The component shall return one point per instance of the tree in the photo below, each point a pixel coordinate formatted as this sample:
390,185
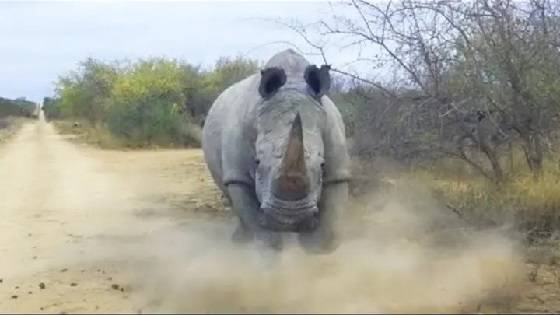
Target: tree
145,102
468,77
84,93
151,101
226,72
51,107
18,107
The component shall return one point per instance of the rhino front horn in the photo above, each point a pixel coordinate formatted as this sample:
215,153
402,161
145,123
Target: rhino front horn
293,183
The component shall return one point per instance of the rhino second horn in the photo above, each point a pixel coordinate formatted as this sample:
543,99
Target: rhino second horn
293,183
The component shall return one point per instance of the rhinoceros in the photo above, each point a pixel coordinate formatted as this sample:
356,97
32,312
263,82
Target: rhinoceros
275,145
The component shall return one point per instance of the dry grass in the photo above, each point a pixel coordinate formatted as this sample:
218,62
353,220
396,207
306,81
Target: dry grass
89,133
98,135
521,200
526,210
9,126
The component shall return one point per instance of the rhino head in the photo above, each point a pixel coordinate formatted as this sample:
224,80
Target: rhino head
289,146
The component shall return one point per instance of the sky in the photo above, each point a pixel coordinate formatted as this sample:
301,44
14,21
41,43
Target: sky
42,40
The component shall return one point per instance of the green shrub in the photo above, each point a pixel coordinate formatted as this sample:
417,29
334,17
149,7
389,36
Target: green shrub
18,108
156,101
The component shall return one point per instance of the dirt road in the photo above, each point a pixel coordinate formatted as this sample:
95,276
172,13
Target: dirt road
67,210
88,230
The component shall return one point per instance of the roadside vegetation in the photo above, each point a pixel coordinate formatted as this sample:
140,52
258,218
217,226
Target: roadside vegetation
471,108
156,102
9,126
13,113
19,107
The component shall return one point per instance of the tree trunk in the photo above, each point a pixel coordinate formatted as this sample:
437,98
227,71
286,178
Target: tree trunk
534,154
497,172
511,158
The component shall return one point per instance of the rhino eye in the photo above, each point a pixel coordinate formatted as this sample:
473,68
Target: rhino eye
257,161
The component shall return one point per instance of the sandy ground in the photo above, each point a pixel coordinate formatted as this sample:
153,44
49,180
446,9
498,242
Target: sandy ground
62,206
86,230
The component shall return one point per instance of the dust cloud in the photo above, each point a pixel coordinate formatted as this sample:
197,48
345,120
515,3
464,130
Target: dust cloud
398,253
85,221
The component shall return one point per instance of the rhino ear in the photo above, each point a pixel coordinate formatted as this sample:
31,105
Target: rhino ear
271,80
318,79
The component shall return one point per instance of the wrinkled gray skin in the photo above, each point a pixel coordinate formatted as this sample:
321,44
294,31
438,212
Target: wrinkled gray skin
275,145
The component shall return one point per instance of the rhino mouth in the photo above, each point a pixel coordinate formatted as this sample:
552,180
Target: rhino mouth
303,222
283,215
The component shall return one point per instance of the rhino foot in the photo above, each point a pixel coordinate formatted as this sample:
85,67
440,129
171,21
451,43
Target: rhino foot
226,202
242,235
319,241
269,239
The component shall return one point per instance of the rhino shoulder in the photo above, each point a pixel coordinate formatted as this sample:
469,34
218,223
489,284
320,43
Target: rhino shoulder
334,118
233,115
337,160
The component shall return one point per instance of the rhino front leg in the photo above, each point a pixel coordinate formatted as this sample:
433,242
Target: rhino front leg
324,239
246,206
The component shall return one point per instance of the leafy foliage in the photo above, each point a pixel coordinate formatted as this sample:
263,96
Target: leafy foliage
156,101
18,107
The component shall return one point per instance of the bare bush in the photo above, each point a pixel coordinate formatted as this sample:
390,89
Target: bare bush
468,80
